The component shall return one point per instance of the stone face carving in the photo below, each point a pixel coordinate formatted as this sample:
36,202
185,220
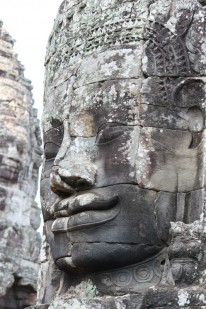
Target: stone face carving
123,177
20,154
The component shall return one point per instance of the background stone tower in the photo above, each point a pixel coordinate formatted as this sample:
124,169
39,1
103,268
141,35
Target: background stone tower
20,157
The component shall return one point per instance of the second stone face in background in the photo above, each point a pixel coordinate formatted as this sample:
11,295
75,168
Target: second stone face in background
20,158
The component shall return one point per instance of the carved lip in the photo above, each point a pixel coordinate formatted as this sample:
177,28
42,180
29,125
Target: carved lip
85,210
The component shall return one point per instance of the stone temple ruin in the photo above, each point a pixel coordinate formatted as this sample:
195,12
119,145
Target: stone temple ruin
20,158
123,179
123,182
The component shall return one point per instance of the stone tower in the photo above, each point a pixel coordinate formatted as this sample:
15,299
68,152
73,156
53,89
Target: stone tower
123,178
20,158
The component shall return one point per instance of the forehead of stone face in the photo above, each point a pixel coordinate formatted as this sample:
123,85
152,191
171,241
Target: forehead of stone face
96,41
111,101
91,42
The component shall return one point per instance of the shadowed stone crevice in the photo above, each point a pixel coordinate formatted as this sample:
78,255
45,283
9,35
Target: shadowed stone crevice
18,296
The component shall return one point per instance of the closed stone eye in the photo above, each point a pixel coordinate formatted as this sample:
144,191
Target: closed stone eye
52,142
110,133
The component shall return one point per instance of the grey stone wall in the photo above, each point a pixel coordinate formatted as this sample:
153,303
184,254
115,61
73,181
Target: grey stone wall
20,158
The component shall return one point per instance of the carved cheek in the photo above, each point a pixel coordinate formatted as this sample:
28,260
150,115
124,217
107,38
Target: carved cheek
170,160
117,158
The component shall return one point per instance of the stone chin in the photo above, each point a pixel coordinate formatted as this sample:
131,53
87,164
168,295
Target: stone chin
97,257
85,257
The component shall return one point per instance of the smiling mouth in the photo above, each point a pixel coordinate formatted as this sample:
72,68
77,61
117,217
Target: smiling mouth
82,211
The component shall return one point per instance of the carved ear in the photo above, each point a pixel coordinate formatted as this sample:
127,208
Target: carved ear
189,93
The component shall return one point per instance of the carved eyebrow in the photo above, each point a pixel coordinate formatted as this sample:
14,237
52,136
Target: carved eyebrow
112,124
55,127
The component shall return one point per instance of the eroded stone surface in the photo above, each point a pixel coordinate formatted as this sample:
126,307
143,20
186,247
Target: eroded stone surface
123,176
20,154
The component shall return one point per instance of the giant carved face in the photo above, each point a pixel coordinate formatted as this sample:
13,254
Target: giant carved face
18,160
122,160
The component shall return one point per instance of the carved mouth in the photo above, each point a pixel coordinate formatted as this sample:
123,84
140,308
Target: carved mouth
83,211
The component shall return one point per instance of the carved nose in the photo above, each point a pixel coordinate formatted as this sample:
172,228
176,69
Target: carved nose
79,178
58,185
68,181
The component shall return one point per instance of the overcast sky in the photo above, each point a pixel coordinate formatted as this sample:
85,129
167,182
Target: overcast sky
30,22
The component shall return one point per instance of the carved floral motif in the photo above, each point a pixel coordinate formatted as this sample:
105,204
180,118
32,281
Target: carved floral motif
185,251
